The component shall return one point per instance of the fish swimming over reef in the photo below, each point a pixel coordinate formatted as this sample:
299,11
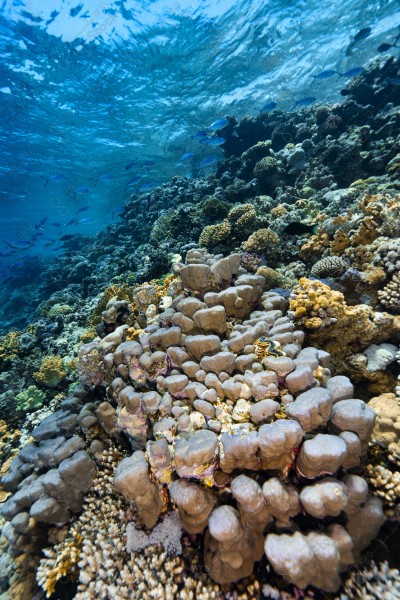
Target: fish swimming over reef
306,101
297,228
269,106
352,72
360,35
325,74
218,124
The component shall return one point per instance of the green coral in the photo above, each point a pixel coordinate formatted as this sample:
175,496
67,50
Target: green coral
59,309
30,399
51,371
266,167
9,347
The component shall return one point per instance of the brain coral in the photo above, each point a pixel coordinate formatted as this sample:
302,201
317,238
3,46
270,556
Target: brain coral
331,266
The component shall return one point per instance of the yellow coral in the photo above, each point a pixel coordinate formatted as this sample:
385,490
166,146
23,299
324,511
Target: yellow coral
261,241
278,211
212,235
51,371
340,242
315,245
272,277
60,561
366,232
9,346
339,329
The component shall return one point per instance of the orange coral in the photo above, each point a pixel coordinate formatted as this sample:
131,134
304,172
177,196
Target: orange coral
315,246
340,242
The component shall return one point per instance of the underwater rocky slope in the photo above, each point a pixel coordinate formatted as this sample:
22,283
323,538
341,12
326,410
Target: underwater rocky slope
249,387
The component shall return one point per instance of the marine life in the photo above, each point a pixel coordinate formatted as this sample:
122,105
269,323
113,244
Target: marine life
208,161
134,180
266,347
218,124
82,209
297,228
214,141
360,35
385,47
325,74
130,165
86,220
352,72
72,222
306,101
200,135
20,244
269,106
67,237
107,177
187,156
55,178
117,211
40,224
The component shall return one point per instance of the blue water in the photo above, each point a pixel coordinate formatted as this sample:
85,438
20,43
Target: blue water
101,100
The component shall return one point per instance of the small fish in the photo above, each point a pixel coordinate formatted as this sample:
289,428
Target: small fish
306,101
218,124
208,161
199,135
134,180
20,244
386,47
67,237
83,209
360,35
47,239
146,187
352,72
82,190
118,211
16,265
215,141
269,106
56,178
86,220
325,74
40,224
55,224
72,222
187,156
296,228
130,165
107,177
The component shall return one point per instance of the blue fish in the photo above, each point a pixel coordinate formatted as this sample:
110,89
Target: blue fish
130,165
41,223
56,178
146,187
82,190
55,224
208,161
86,220
107,177
82,209
187,156
199,135
269,106
218,124
215,141
118,211
325,74
352,72
72,222
306,101
45,238
134,180
20,244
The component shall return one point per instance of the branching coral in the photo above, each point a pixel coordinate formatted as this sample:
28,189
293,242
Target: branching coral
315,245
212,235
61,561
51,371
